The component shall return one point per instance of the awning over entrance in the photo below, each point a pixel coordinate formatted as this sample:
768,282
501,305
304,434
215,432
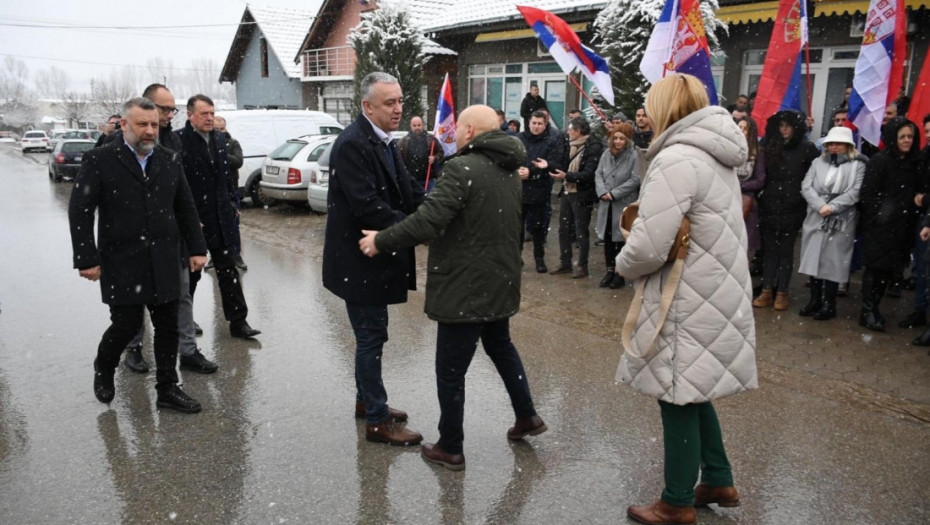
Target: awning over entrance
765,11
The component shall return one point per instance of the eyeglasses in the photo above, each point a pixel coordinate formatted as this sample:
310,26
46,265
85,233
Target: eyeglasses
166,109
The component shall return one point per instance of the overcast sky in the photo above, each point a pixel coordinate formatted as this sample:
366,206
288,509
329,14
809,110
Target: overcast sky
92,45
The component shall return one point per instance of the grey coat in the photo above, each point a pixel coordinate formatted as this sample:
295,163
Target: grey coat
618,176
827,243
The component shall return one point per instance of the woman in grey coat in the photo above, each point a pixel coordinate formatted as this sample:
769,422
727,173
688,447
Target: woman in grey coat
617,184
831,189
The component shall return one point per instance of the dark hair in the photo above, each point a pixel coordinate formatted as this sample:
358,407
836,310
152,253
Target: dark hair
540,114
500,112
574,110
191,102
115,115
138,102
753,140
149,91
926,118
581,125
742,96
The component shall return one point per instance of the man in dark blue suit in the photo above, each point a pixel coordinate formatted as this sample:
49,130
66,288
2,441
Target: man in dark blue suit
370,189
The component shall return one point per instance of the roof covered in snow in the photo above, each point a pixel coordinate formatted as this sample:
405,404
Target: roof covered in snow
464,13
283,29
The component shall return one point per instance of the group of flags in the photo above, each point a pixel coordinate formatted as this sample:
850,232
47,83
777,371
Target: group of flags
679,44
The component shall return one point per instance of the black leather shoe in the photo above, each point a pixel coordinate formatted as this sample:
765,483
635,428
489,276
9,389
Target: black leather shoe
541,266
617,282
197,363
197,329
812,307
923,339
561,270
914,319
826,312
240,264
103,384
608,277
174,398
134,360
242,330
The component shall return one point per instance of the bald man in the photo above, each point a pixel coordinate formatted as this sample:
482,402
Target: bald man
472,221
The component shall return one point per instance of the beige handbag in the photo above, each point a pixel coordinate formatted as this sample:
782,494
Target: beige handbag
677,257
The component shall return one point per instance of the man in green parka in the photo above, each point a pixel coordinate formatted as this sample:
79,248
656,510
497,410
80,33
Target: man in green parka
472,220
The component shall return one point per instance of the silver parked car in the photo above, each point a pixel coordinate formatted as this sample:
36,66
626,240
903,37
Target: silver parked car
288,169
318,188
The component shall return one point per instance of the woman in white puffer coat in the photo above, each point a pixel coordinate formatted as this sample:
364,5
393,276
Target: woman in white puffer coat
705,348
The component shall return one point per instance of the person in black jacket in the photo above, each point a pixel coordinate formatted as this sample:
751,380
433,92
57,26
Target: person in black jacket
113,124
532,102
206,165
782,208
889,214
146,209
236,159
577,196
544,153
370,189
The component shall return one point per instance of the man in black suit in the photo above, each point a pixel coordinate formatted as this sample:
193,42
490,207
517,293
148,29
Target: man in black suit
370,189
146,209
206,164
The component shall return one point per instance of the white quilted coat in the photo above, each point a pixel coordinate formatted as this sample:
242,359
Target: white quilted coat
706,348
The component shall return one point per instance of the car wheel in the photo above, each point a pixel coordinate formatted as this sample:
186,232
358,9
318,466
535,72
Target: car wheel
258,196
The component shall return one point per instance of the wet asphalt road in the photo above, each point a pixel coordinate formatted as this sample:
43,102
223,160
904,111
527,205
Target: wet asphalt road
276,442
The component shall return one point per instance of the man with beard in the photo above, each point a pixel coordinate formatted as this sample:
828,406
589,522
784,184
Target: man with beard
544,153
146,210
642,132
422,153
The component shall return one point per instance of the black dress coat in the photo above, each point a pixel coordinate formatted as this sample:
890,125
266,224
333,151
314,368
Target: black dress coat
364,194
537,189
207,171
584,177
889,215
528,106
142,223
781,205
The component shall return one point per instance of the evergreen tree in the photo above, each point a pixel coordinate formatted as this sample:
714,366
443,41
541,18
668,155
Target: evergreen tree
386,40
622,30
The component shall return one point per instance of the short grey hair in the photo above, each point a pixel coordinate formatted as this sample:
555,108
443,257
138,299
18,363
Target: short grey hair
138,102
377,77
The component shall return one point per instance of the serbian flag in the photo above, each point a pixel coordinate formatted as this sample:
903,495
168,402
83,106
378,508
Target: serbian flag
879,68
568,51
444,128
920,102
678,44
780,86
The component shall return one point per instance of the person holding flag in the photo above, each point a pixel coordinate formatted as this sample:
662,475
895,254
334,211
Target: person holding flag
422,154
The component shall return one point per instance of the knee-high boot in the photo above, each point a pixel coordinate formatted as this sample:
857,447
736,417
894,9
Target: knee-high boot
873,287
813,306
828,309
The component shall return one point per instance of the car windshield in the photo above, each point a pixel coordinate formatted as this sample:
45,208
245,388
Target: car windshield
324,158
76,147
34,135
287,151
317,152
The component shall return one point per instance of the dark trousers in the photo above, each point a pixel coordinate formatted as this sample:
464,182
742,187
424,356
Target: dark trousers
224,263
693,443
125,322
611,247
455,347
777,257
536,221
920,272
369,322
574,222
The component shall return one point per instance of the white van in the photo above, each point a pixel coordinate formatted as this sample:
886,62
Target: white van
259,131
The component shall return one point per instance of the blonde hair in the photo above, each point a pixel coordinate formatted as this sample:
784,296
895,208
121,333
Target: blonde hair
673,98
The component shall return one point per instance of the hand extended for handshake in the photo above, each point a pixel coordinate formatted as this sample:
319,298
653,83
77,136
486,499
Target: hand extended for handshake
367,243
195,262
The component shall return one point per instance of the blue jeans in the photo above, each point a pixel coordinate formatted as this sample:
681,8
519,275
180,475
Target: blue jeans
369,322
455,347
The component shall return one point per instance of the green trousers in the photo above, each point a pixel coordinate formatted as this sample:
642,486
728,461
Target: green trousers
693,443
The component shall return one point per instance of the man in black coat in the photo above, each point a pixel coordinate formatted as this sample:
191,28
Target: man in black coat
420,151
206,165
532,103
146,210
370,189
544,153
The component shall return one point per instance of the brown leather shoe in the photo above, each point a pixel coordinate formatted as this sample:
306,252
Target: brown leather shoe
661,513
397,415
391,433
781,301
723,496
765,299
432,453
580,272
531,426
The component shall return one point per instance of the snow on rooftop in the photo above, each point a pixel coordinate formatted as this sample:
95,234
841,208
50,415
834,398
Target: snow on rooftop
460,13
285,29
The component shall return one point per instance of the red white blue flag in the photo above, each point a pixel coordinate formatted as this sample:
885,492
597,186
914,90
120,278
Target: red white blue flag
780,86
568,51
679,44
444,128
879,68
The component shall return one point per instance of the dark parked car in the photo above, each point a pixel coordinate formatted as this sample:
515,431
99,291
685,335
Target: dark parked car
65,160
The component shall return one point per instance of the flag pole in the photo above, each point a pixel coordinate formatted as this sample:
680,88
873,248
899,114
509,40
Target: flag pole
807,64
429,165
577,85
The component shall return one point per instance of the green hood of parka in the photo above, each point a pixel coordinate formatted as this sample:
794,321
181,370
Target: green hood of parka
502,149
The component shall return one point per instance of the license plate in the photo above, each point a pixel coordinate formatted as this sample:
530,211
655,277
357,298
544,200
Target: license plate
77,159
271,170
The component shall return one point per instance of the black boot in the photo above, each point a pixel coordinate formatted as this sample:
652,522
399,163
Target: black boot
813,306
828,308
608,277
872,290
923,339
